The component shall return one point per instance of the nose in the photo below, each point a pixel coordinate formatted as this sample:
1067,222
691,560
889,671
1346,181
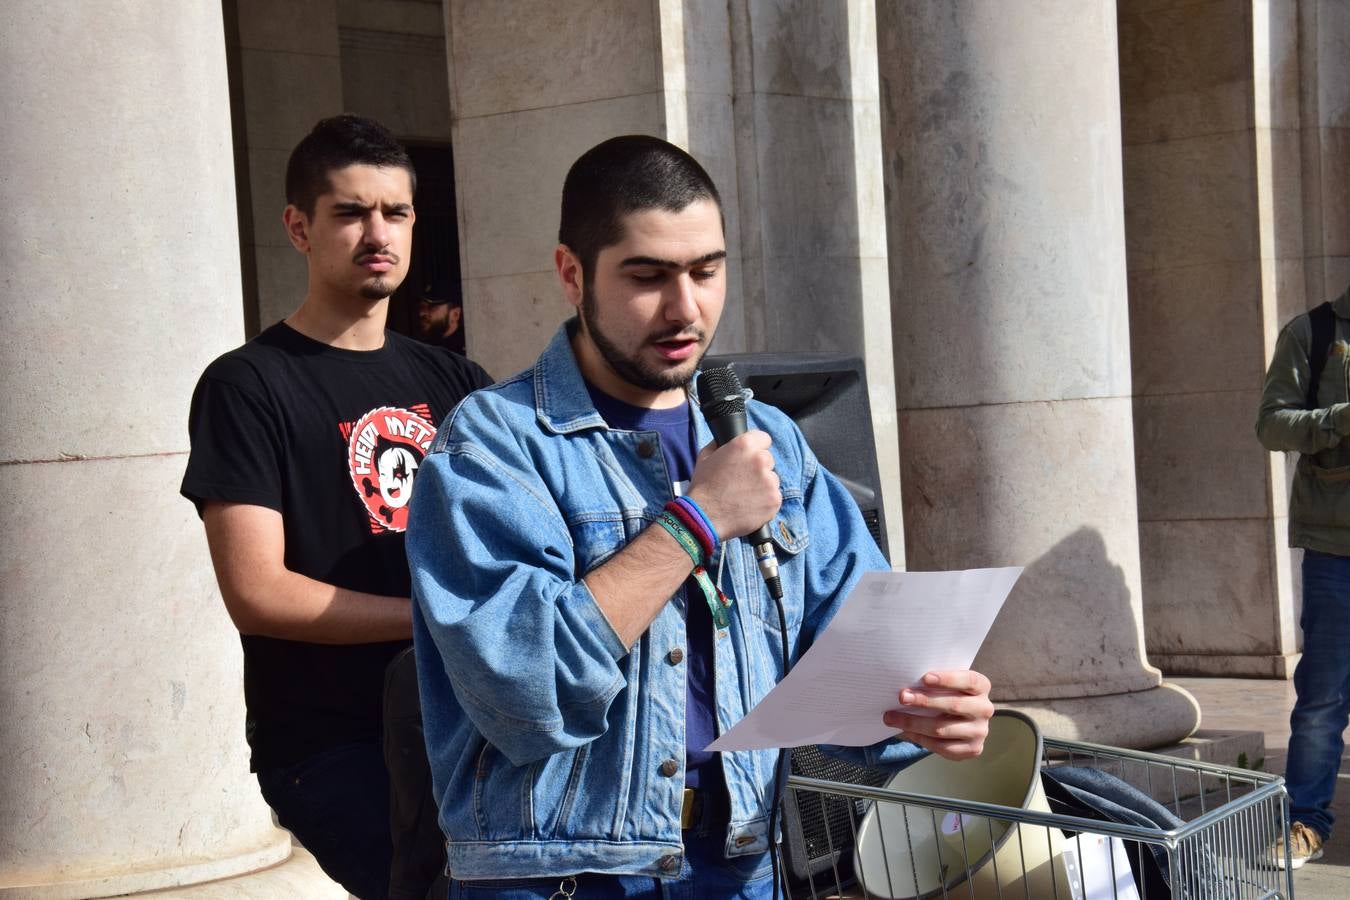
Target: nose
682,300
377,231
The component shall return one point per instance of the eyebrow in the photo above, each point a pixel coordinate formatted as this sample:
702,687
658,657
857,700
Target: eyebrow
353,206
673,264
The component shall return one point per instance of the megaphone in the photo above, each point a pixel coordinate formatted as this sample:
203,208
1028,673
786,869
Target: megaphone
908,851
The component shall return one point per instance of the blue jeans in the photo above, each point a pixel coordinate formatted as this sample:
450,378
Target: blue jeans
1322,683
336,803
705,874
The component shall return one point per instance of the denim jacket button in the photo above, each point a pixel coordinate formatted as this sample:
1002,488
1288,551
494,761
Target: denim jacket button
670,767
646,449
669,863
675,656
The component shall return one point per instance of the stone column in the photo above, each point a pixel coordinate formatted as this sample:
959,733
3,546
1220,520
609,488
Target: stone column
121,744
1324,77
1214,247
289,76
532,86
1001,136
809,175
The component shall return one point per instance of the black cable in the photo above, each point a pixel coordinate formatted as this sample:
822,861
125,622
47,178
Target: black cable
780,767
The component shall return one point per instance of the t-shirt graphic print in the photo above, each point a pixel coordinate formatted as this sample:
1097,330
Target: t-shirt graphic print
385,447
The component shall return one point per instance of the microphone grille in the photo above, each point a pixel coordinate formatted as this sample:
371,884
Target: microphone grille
719,392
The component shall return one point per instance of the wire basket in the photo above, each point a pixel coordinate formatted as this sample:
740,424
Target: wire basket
927,846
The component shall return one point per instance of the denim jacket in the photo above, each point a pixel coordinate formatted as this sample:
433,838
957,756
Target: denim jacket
1319,503
546,734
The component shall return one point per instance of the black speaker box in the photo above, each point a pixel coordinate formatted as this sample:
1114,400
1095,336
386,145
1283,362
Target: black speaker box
826,395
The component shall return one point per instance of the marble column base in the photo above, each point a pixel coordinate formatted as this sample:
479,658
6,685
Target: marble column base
1141,720
275,851
1227,665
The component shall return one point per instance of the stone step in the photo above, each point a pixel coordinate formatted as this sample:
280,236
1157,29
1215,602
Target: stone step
298,876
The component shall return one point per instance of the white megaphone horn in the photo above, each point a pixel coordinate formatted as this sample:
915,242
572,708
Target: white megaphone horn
911,851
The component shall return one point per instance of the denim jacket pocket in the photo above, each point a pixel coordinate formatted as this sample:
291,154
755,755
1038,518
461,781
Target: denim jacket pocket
555,786
790,536
595,538
546,792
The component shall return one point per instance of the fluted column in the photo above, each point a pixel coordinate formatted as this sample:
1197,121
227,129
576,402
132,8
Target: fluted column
1001,135
122,742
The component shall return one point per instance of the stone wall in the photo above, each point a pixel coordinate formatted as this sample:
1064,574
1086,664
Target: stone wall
1235,216
122,748
1012,355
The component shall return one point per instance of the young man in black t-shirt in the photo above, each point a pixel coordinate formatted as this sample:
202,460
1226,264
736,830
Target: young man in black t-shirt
305,447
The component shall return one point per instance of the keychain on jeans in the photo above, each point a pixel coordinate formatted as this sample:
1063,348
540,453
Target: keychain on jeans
564,892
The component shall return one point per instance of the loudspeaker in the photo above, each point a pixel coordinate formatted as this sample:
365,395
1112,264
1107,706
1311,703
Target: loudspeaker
826,395
912,851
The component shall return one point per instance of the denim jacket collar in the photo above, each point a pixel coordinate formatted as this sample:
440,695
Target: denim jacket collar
560,397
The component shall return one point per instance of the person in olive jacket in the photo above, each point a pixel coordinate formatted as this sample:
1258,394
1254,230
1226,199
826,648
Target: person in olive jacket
1305,407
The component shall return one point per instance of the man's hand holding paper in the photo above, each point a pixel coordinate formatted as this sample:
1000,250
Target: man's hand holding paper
918,630
947,714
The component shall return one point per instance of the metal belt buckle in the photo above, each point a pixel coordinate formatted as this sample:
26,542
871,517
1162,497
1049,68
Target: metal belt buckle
687,809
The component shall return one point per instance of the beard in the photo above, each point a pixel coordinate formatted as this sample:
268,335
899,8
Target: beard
631,368
378,288
380,285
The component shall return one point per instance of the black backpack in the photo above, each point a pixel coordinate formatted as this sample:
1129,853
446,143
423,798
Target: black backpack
1323,321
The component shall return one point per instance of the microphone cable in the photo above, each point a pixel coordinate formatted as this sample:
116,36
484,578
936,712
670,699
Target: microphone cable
781,771
722,402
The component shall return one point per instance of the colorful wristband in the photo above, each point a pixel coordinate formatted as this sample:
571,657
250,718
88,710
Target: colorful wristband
718,602
703,517
682,536
695,525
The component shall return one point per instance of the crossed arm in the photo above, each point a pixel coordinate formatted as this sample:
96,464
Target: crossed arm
263,597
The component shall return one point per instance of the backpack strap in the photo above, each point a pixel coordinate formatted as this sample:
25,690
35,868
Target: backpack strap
1323,321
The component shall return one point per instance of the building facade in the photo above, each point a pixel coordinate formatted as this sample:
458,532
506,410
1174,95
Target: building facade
1061,234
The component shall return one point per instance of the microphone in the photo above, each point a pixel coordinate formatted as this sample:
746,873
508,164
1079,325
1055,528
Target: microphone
723,405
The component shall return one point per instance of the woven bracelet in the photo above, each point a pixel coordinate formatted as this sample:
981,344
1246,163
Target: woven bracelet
682,535
691,521
703,517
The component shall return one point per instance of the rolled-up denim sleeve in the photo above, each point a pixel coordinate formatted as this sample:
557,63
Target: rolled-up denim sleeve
529,654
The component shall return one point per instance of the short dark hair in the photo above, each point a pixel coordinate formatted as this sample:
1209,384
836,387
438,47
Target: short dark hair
438,293
335,143
620,176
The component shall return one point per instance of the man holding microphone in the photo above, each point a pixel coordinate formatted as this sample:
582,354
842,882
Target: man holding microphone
605,622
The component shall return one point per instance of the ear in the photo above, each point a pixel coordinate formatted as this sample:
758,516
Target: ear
297,228
569,274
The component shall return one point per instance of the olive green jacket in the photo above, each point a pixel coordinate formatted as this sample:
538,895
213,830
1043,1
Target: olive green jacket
1319,506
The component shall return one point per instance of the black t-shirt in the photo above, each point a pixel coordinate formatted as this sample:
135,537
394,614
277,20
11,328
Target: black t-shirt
332,440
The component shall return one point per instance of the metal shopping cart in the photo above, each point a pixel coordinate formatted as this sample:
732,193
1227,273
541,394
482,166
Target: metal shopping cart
847,836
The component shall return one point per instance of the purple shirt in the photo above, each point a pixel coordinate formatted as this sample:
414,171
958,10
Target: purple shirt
675,429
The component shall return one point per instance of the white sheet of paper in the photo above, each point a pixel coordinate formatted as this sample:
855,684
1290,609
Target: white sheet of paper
891,629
